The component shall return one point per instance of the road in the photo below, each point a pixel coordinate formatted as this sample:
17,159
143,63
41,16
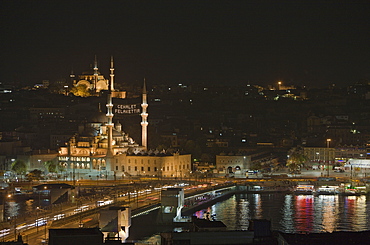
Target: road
34,230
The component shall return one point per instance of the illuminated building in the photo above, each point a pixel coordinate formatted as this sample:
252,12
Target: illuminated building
96,82
101,148
93,80
230,164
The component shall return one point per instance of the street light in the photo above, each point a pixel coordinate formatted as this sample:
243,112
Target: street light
328,143
3,204
279,83
328,146
37,219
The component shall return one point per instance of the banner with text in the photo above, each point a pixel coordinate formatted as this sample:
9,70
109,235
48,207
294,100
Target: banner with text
127,109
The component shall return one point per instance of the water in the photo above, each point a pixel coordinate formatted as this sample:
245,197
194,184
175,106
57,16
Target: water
288,212
22,206
294,213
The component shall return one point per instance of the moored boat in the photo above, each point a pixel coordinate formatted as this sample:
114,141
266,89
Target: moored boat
304,190
349,192
327,190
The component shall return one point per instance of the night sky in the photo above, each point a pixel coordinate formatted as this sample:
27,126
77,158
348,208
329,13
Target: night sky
313,43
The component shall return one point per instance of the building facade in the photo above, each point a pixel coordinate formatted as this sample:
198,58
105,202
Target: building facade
229,164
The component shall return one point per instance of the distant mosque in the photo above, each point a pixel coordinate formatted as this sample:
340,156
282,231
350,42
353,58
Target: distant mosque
102,148
94,81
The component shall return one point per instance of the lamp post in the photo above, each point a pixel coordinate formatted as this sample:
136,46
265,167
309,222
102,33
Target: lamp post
15,228
137,198
73,174
37,219
327,149
46,223
3,208
328,143
318,162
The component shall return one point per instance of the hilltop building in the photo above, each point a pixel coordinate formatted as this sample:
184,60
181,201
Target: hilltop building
96,82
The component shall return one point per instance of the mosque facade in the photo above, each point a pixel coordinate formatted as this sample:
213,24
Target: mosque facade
92,79
102,148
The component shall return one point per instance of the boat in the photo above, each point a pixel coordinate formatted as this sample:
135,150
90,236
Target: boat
349,192
327,190
304,190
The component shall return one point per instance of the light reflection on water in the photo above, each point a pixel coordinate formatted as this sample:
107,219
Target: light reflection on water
20,206
295,213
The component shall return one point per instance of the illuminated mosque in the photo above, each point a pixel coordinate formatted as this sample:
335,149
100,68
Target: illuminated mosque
94,81
102,148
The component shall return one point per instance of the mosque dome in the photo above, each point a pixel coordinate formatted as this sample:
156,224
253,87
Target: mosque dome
99,117
89,132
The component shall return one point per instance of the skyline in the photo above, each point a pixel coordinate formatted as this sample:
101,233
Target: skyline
221,42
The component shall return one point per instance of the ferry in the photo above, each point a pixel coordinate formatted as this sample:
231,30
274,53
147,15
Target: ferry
304,190
327,190
349,190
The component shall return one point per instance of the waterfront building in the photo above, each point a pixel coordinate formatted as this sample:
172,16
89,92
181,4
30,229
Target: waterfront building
358,167
101,148
241,163
319,154
231,163
335,156
345,152
152,163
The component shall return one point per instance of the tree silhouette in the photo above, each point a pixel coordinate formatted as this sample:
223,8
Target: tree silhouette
51,166
34,175
80,90
296,159
19,167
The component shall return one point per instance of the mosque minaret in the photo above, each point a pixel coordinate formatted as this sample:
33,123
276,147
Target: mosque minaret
144,121
111,87
110,111
101,148
96,74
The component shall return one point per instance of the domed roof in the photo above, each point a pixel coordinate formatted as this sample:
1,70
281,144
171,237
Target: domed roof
89,132
98,117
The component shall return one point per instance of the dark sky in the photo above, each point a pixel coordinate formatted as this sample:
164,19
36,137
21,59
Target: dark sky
231,42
